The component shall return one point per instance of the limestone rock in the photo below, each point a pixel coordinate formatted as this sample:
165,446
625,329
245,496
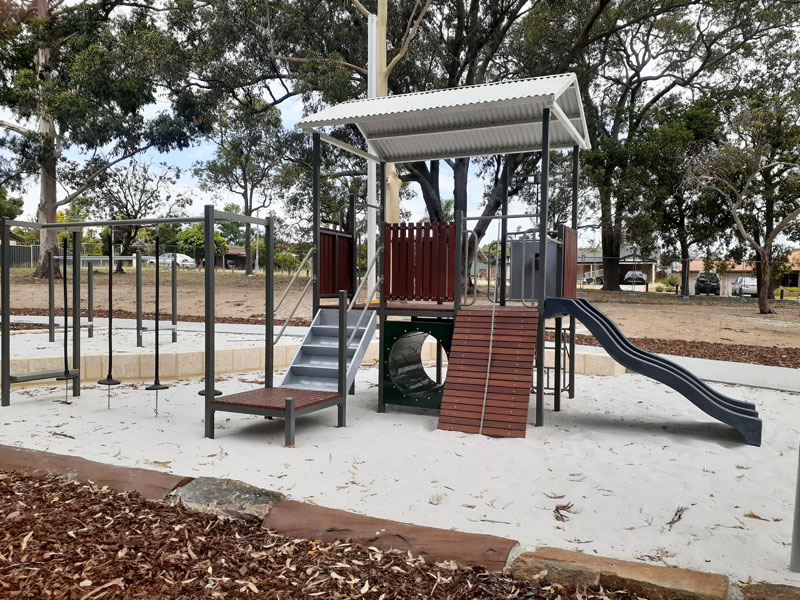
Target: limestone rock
228,498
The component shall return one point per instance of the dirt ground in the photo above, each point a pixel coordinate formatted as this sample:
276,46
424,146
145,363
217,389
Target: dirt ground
657,316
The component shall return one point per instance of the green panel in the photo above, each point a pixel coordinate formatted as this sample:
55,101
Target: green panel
404,381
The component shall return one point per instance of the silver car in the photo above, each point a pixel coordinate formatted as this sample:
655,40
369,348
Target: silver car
744,286
165,260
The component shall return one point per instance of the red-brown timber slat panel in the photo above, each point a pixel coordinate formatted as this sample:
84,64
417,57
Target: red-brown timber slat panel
395,261
441,260
335,255
387,261
504,401
451,261
418,295
570,249
410,261
275,398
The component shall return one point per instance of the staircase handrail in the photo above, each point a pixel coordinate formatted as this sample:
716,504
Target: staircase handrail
364,310
378,251
311,251
299,300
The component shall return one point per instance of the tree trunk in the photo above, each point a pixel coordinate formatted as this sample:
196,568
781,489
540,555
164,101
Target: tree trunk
46,213
610,243
125,250
764,278
460,179
684,265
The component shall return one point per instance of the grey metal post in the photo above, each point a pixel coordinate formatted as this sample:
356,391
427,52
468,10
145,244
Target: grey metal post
315,210
460,267
574,225
76,312
504,231
208,372
51,295
342,420
380,282
351,207
174,299
269,309
289,422
139,341
559,323
541,280
794,563
90,298
5,294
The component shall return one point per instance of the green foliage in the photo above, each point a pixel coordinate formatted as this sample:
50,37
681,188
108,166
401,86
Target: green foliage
232,231
10,206
286,261
189,240
30,237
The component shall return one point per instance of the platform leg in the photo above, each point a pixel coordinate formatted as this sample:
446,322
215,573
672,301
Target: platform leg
342,416
557,368
289,422
209,422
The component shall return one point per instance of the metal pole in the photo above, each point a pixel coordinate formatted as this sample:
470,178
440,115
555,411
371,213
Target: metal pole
90,298
76,312
541,289
109,380
208,373
504,231
372,215
139,341
460,267
269,312
174,299
342,357
351,226
315,209
574,225
381,295
51,295
5,267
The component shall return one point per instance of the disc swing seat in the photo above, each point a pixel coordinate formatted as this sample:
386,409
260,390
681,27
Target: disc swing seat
157,386
67,376
109,381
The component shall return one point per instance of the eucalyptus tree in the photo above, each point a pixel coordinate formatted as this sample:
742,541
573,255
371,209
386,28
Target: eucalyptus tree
81,81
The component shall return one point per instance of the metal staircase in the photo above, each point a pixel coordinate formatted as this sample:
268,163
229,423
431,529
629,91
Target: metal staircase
315,366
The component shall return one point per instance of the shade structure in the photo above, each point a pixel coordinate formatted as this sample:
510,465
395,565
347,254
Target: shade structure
492,118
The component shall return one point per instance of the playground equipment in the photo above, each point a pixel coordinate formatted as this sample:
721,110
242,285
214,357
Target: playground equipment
157,386
494,363
496,350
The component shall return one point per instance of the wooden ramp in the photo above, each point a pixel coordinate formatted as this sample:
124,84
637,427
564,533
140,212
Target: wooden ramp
499,406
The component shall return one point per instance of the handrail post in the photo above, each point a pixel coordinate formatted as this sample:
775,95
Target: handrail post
342,383
90,298
269,275
76,312
139,341
574,225
174,299
353,245
51,295
5,298
208,371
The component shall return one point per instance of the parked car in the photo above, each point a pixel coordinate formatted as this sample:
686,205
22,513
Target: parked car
165,260
707,282
635,278
744,286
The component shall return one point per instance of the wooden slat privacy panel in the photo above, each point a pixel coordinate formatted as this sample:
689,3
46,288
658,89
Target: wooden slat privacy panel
420,261
336,263
570,249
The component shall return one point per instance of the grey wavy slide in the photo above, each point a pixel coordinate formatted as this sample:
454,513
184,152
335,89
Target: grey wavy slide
740,415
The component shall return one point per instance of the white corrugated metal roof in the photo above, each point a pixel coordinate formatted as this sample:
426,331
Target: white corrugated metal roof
492,118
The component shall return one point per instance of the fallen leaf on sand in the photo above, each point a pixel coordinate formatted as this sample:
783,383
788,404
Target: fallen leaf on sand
752,515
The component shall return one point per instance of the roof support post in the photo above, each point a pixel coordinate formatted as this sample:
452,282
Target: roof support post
76,311
315,211
503,230
576,160
381,271
5,299
269,308
541,280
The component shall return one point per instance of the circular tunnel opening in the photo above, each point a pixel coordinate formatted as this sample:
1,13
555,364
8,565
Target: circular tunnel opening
406,365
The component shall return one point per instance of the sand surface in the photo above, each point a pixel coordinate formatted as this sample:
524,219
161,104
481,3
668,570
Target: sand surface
627,454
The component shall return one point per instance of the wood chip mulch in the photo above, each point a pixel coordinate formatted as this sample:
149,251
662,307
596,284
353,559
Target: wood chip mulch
757,355
64,539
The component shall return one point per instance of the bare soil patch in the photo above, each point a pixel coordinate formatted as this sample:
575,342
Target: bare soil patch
100,544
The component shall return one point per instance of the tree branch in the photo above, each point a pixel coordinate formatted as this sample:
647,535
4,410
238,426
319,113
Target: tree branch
327,61
361,8
410,32
14,127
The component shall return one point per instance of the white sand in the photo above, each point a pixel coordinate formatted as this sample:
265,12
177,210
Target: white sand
38,344
626,452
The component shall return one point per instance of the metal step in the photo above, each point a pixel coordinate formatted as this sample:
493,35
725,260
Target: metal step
316,364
